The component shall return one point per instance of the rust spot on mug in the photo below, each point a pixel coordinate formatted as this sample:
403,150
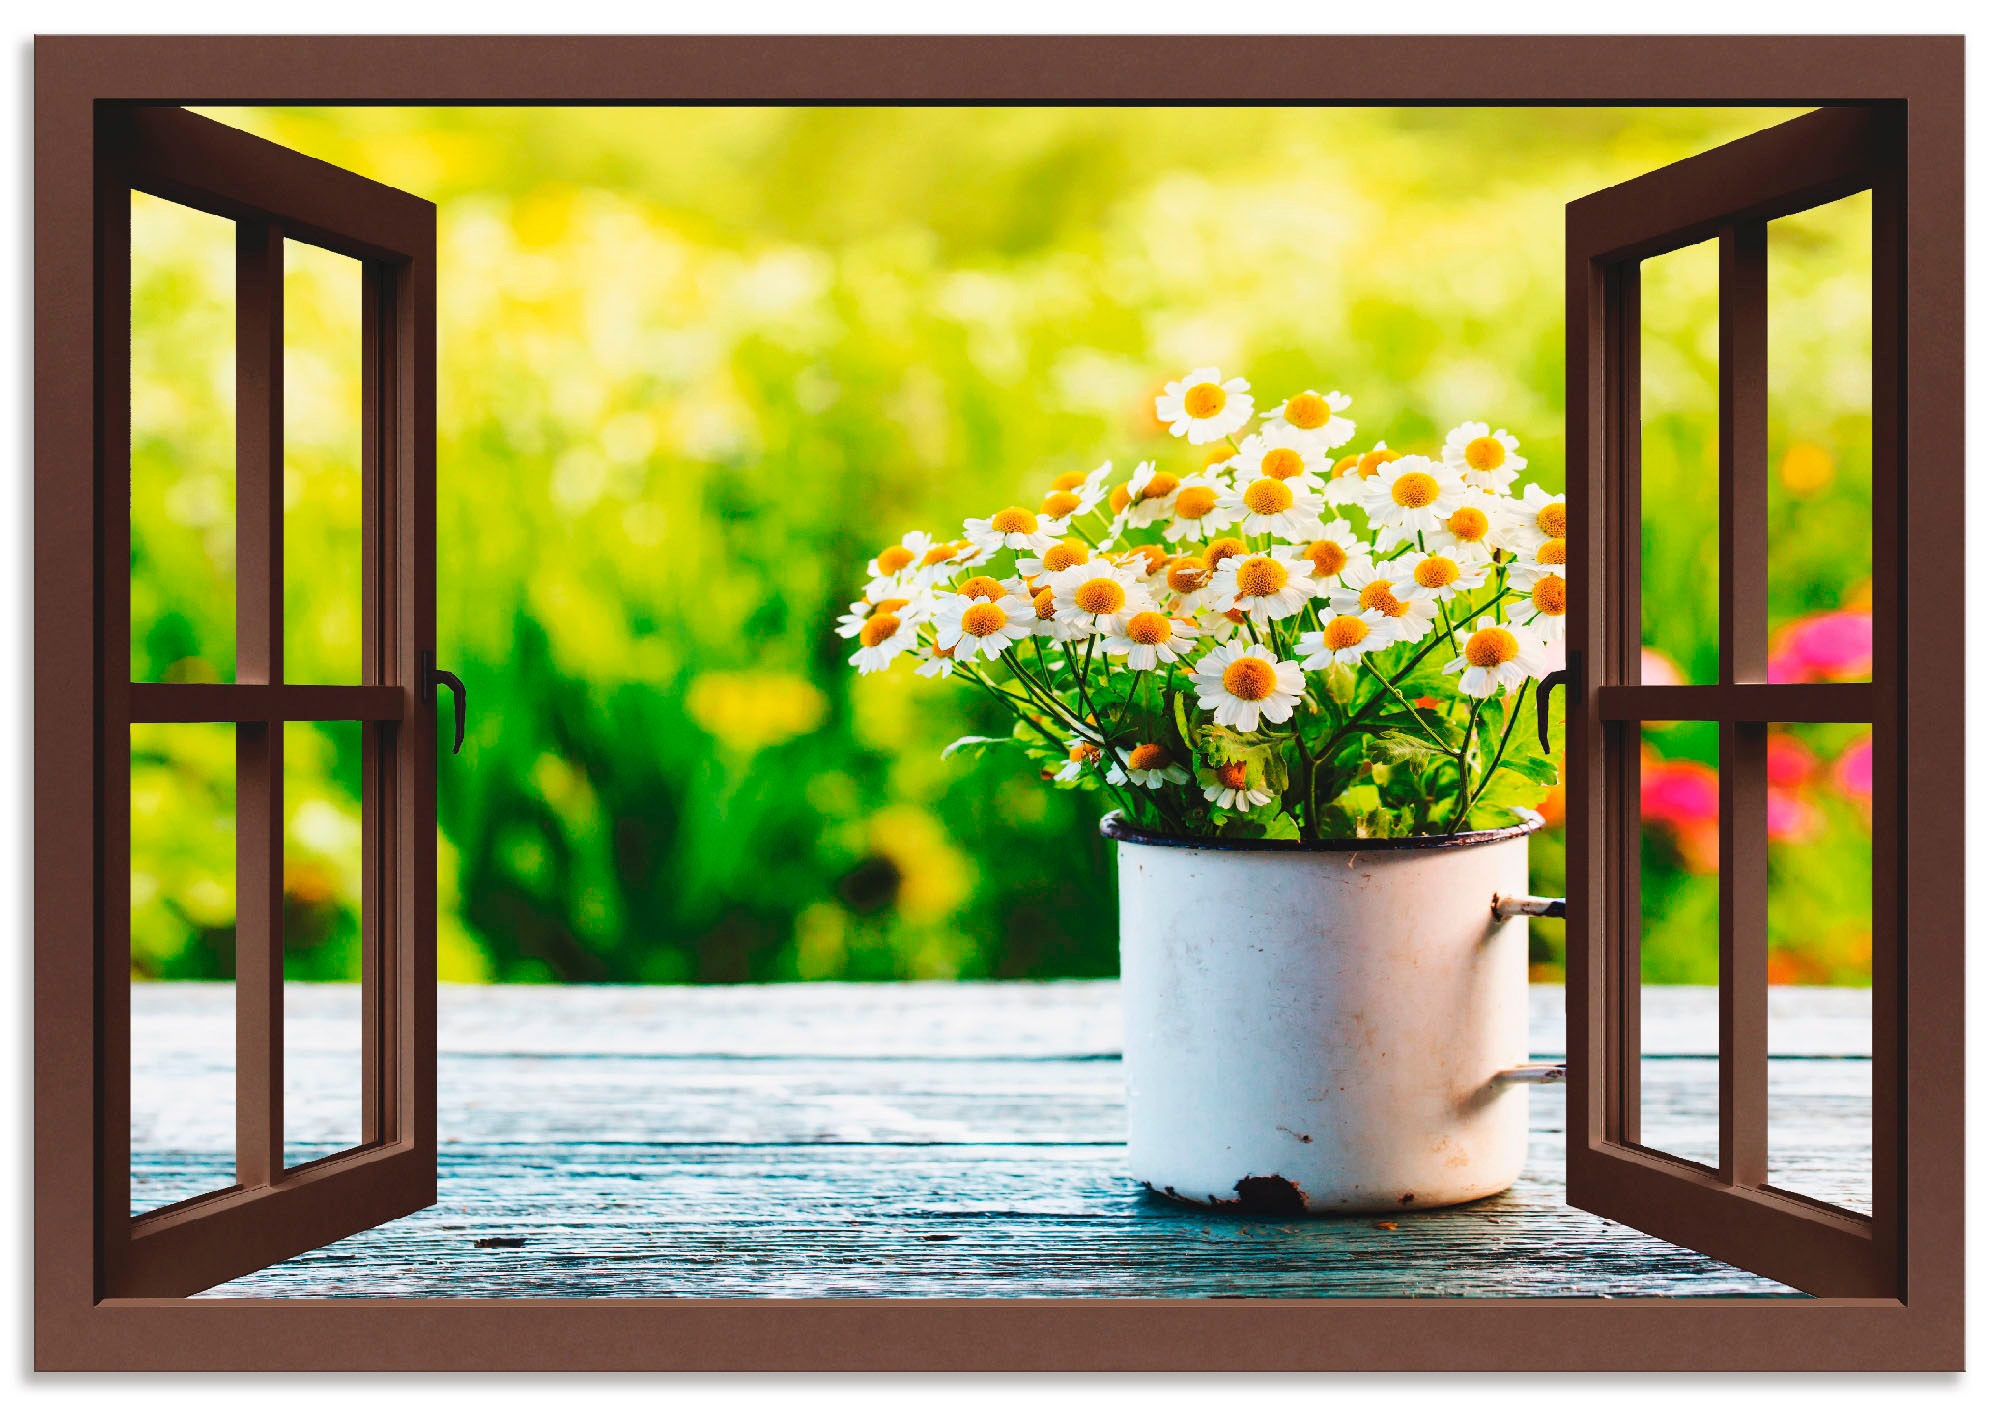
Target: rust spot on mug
1270,1196
1407,1197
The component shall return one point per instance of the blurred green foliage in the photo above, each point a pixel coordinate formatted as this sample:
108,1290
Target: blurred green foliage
697,366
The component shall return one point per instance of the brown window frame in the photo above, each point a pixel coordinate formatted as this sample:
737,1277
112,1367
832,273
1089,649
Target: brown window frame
79,1326
273,1211
1730,195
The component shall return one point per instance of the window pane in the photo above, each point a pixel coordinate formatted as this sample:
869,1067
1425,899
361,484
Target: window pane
1821,403
183,444
1679,907
183,961
1679,376
1821,963
322,466
323,879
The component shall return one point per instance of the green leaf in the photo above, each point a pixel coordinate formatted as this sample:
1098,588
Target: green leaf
1340,682
979,744
1281,827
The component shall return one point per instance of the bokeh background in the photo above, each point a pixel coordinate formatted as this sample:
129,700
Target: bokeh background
698,365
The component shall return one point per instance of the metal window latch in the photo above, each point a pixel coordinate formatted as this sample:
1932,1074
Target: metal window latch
1560,676
432,677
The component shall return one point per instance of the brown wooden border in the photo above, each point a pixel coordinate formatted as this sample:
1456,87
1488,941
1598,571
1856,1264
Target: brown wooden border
74,1329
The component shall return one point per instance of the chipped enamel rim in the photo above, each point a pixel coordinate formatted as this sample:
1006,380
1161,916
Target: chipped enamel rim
1115,826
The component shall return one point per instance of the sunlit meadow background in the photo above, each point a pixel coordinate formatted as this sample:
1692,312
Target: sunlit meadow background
698,365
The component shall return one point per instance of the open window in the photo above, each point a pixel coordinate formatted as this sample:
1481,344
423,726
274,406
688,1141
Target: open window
272,196
1737,1209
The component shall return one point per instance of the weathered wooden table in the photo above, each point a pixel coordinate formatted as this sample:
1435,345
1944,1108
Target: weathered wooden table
927,1140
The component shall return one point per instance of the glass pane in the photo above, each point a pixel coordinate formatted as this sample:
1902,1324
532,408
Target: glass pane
183,444
323,882
1822,397
183,961
1679,906
1821,963
1679,415
322,466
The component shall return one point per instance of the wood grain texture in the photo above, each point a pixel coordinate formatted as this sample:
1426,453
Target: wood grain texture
912,1140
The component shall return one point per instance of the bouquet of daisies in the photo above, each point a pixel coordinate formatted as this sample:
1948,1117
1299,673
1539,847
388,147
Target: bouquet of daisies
1267,641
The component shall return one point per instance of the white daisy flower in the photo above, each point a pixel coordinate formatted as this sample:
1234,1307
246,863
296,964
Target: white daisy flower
1243,685
1199,508
1263,585
858,614
1151,765
1409,497
1047,626
1550,558
1480,525
1541,617
938,663
984,628
1539,517
882,637
1351,475
1344,639
1494,660
1186,580
1316,414
1014,528
1149,495
1229,790
1338,558
892,561
1091,487
939,562
1084,757
1099,596
1149,638
1280,451
1075,495
1202,407
1060,557
1287,509
1404,618
1484,457
1434,575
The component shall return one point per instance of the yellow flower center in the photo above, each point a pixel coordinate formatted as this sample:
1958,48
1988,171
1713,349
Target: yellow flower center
1205,400
894,559
1084,752
1159,486
880,627
1121,498
1328,557
982,588
1154,557
1233,774
1060,503
1485,454
1345,631
1100,596
889,606
1550,595
1186,574
1045,603
943,552
1372,461
1196,502
1220,550
1013,520
1308,411
1415,489
1148,756
1283,463
1149,627
1065,483
1267,495
1553,520
1434,573
1260,576
1381,595
1491,647
1250,678
1468,524
1218,454
982,619
1064,555
1554,552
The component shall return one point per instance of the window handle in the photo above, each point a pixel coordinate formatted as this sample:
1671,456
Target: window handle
433,677
1560,676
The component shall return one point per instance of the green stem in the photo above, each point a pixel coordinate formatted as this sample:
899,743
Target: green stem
1464,776
1492,767
1354,718
1369,663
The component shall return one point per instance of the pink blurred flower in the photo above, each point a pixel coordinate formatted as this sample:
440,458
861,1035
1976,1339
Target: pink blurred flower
1656,668
1791,817
1678,793
1837,645
1789,762
1854,770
